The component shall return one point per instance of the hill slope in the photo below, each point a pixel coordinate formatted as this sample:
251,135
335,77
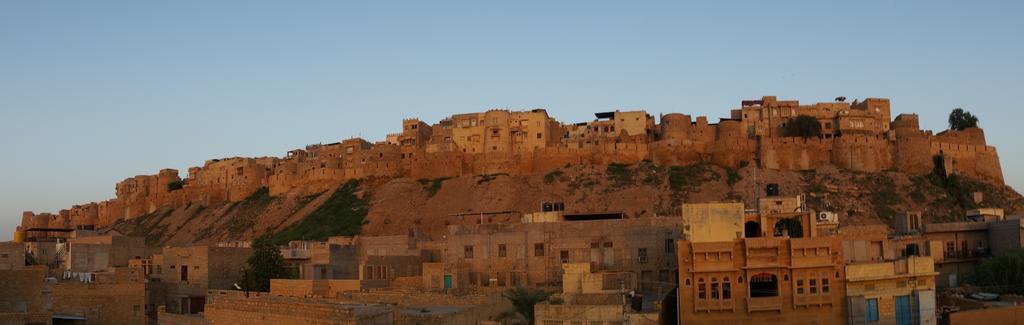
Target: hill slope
397,206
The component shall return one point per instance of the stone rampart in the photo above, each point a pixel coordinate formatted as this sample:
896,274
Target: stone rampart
494,142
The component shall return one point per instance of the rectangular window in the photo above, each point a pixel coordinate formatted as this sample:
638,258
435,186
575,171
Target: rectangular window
538,249
824,285
468,251
564,256
669,245
800,286
502,250
641,255
814,286
702,290
871,310
714,290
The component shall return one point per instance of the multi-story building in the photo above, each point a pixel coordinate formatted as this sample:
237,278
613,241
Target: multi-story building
104,252
596,298
727,277
117,296
610,128
900,291
768,116
323,260
186,273
389,257
956,247
499,256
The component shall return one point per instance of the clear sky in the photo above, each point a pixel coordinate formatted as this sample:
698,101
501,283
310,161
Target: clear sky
92,92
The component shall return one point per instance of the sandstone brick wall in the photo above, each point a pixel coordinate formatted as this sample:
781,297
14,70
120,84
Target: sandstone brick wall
232,310
443,315
25,318
109,303
298,288
165,318
990,316
22,290
321,288
12,256
422,298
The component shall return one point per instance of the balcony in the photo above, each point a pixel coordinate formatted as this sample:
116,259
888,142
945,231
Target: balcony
296,254
812,299
764,304
966,255
713,305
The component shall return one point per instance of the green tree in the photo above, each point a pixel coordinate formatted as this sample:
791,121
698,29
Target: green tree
804,126
175,185
265,263
960,119
524,300
1002,274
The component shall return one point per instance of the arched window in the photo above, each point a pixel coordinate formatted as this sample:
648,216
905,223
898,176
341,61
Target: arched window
790,227
751,229
702,289
764,285
726,289
714,288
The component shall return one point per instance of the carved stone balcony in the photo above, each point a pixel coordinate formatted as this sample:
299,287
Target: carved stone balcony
764,304
713,304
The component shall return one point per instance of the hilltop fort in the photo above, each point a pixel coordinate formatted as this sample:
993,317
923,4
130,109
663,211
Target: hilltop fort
861,136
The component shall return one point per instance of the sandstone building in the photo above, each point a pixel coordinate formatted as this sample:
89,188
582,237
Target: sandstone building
499,256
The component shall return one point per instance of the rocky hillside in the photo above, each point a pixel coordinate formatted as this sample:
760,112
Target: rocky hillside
397,206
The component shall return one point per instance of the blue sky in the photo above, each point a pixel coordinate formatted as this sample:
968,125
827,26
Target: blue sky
92,92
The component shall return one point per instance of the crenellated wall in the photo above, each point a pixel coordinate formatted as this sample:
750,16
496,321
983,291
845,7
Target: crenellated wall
858,136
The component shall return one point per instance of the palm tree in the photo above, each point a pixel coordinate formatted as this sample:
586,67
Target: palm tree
524,300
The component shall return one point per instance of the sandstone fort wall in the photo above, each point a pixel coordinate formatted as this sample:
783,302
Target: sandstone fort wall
858,137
